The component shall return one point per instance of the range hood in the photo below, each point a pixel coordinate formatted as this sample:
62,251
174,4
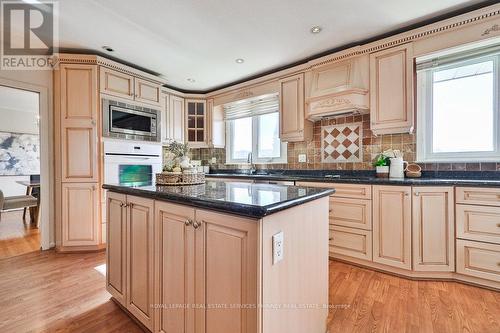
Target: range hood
338,89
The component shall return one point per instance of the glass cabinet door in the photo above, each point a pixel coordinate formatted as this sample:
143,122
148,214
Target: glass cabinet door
196,121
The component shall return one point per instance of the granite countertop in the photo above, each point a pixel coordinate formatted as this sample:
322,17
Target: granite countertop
486,179
245,199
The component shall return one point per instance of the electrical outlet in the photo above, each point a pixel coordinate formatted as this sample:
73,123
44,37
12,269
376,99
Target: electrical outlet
302,158
278,247
213,160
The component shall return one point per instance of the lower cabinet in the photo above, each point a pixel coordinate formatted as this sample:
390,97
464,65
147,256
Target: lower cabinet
80,214
129,276
200,259
433,229
478,259
392,226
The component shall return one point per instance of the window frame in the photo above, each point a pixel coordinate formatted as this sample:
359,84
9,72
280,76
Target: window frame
424,126
255,134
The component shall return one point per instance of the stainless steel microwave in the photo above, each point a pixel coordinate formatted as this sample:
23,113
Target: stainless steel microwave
130,122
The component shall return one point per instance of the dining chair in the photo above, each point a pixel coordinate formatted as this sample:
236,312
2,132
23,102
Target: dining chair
16,202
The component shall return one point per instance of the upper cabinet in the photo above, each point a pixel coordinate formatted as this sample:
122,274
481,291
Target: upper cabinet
126,86
196,123
172,118
391,90
293,126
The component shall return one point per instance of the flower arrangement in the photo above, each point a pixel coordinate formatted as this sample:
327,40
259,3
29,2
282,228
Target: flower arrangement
176,157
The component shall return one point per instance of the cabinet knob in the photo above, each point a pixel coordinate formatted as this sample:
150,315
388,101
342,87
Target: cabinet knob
122,204
417,194
196,224
93,122
188,222
406,194
498,225
331,238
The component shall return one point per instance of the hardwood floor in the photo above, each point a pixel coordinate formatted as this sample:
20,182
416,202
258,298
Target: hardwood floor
378,302
49,292
17,237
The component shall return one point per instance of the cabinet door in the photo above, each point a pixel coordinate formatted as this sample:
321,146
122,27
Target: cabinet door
175,119
174,267
292,117
80,211
79,119
392,226
391,90
433,229
218,128
116,246
140,259
196,121
147,92
225,272
117,84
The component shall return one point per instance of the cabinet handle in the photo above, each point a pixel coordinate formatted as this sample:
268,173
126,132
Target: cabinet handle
331,238
498,225
417,194
406,194
123,205
196,224
188,222
93,122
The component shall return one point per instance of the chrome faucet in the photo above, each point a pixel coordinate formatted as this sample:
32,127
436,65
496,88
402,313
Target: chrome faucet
250,161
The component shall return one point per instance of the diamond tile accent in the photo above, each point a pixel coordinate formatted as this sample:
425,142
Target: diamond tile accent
341,143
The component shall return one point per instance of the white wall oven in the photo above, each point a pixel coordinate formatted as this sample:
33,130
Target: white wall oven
130,122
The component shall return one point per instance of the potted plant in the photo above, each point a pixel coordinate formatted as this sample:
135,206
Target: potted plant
381,165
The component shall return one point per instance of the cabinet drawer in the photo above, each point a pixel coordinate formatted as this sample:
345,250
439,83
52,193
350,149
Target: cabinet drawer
477,259
353,213
351,242
116,83
478,196
480,223
147,92
354,191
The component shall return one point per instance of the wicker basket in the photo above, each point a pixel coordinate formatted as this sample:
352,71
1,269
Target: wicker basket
193,178
173,178
168,177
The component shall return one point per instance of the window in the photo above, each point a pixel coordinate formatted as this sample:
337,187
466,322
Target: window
253,127
458,107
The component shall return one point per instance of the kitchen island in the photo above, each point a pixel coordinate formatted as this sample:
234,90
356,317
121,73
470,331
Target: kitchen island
222,257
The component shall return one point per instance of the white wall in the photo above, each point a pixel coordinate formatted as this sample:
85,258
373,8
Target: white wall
40,81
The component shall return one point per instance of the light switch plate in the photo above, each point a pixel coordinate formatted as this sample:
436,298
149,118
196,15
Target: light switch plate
278,247
213,160
302,158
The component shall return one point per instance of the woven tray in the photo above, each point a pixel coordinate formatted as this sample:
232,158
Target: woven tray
171,179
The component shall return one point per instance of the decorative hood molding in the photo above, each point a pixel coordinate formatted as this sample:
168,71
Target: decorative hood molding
337,89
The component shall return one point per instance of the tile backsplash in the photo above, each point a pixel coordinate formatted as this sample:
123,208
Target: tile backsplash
370,146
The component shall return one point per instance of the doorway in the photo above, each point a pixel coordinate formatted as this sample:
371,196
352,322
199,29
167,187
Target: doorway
20,175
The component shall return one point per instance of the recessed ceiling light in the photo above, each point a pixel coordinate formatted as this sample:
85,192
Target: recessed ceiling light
191,80
107,48
316,29
240,61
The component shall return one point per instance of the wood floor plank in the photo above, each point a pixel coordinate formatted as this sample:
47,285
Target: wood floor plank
54,292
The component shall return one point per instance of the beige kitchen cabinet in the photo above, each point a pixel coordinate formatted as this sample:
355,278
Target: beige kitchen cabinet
478,223
226,266
139,296
352,242
293,125
196,119
118,84
433,226
78,122
80,214
391,90
392,226
477,259
174,251
174,118
352,213
147,92
487,196
76,160
116,246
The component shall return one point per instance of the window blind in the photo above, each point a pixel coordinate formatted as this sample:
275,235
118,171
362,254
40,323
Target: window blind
252,107
429,62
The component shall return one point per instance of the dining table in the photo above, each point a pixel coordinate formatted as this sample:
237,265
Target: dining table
34,211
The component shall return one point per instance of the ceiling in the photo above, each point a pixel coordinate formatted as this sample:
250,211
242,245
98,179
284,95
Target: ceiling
200,40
